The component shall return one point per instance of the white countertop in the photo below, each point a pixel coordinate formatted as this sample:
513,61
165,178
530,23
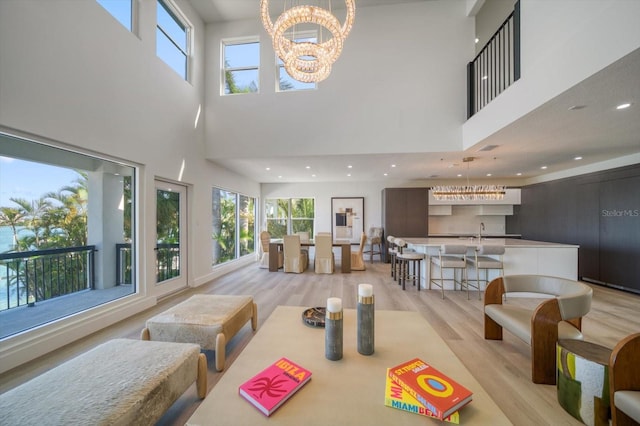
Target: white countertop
507,242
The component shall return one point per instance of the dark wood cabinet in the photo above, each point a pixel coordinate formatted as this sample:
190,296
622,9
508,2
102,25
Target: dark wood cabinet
405,212
599,211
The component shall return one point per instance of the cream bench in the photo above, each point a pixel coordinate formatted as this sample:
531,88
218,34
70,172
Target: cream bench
120,382
209,320
558,317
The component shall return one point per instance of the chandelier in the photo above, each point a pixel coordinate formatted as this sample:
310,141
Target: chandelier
307,61
468,192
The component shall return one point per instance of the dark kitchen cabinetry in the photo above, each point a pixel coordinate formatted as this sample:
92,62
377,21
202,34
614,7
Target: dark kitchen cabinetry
405,212
599,211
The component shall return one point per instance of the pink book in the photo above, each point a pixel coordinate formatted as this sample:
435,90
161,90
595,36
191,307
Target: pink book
270,388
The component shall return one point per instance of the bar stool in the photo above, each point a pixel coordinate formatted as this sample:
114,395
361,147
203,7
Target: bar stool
482,261
392,251
409,265
450,256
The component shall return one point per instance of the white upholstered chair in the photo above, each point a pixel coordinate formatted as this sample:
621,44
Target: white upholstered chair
295,259
357,261
624,381
374,242
482,261
450,256
324,261
265,239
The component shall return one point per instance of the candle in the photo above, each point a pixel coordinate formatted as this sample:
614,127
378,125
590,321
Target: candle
334,304
365,290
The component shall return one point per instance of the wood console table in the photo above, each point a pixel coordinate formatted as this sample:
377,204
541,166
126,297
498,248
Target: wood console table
276,246
345,392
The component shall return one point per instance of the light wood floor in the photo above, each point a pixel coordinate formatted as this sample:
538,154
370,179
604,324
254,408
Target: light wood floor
501,367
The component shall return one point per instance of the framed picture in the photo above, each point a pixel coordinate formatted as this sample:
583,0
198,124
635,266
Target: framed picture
347,218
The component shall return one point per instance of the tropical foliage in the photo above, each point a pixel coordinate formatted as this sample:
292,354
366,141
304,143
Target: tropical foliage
231,239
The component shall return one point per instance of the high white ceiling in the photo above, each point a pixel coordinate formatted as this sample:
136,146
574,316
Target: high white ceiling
551,136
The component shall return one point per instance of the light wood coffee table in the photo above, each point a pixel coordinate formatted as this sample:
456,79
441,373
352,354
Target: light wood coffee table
345,392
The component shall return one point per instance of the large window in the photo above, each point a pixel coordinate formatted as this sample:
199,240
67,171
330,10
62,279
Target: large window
240,66
234,226
120,9
172,37
66,233
285,81
289,215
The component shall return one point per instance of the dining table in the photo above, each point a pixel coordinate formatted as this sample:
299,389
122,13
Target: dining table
277,245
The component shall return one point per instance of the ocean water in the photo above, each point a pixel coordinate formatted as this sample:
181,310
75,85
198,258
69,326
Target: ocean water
6,244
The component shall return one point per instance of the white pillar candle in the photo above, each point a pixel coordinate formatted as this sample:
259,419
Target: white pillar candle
365,290
334,304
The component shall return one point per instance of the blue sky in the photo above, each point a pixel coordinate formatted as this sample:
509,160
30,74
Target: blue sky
25,179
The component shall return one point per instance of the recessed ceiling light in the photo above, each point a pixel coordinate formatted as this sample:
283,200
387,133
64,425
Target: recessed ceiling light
313,175
623,106
518,174
386,174
280,177
349,166
477,39
576,107
308,167
459,174
393,165
488,174
348,174
267,168
544,167
577,158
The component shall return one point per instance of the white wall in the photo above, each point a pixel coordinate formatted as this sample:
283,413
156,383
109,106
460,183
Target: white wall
71,75
563,43
395,88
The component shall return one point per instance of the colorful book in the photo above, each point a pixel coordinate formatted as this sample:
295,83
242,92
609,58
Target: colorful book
436,391
396,397
270,388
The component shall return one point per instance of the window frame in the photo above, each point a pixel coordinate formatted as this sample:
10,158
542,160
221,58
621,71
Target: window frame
237,200
181,20
224,69
131,27
290,218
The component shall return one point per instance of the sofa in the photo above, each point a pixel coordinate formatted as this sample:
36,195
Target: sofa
559,316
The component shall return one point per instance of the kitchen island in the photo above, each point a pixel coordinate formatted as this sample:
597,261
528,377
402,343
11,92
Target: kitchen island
520,257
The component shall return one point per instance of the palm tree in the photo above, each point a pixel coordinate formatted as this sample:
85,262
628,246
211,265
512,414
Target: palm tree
13,218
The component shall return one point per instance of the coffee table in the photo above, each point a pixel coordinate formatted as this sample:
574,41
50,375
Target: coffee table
345,392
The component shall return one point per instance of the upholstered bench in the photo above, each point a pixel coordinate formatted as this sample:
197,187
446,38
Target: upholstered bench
558,317
120,382
208,320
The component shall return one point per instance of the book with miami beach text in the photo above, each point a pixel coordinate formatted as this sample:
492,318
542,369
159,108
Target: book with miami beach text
396,397
434,390
274,385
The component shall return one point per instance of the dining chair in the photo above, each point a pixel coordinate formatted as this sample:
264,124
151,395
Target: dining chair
450,256
265,239
482,261
357,260
295,259
324,262
392,251
374,241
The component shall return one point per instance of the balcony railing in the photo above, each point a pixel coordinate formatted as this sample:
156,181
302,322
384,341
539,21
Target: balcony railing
33,276
497,65
167,262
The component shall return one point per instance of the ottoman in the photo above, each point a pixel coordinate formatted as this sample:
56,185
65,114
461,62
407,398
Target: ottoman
208,320
120,382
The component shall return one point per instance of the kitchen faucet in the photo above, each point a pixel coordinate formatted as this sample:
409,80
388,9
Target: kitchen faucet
481,229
